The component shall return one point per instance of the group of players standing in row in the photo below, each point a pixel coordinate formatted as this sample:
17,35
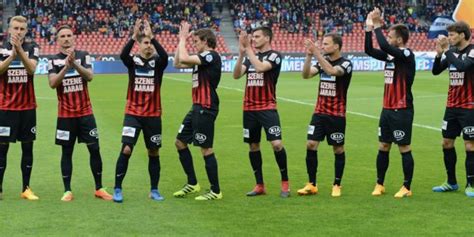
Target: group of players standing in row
70,71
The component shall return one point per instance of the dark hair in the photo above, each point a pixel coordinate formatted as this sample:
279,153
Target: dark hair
336,38
460,27
63,27
208,36
267,31
401,31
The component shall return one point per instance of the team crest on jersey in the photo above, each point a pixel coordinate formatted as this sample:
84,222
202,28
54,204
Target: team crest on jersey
138,61
209,58
156,139
406,52
152,63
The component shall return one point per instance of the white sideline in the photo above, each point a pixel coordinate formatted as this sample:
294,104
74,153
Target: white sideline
310,104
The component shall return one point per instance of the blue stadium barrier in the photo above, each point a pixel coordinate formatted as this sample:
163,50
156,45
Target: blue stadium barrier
290,63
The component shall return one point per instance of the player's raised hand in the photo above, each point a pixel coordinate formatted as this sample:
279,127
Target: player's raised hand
243,41
369,22
376,16
442,44
184,30
147,29
15,41
311,47
136,29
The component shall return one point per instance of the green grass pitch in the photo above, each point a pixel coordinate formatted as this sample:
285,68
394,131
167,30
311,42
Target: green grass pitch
355,213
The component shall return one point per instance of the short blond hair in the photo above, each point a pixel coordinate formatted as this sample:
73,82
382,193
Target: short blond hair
20,19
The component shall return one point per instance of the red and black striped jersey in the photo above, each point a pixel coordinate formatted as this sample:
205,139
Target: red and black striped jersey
461,76
73,93
206,78
17,90
332,94
260,88
145,78
399,73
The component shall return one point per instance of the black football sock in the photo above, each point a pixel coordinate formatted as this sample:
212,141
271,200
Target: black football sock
382,166
256,162
212,173
66,166
339,163
470,167
95,162
121,168
187,162
26,163
280,157
450,160
3,162
154,170
312,165
408,165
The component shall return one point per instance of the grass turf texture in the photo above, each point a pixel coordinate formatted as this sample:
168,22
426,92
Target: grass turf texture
355,213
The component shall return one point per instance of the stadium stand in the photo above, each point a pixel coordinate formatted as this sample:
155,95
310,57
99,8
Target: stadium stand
103,26
292,21
1,23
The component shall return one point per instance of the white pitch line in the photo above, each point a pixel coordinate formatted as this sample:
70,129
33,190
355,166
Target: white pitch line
311,104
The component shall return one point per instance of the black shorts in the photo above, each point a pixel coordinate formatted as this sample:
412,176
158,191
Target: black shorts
17,125
151,126
255,120
331,127
198,127
395,126
83,128
457,120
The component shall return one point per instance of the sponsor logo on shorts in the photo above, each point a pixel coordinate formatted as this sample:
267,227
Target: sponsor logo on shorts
94,133
398,135
469,131
338,137
128,131
201,138
246,133
275,130
181,128
311,129
4,131
62,135
380,131
156,139
33,130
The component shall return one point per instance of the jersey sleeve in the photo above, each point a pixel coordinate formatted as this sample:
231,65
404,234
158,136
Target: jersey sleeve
208,58
51,67
274,59
33,52
247,64
86,60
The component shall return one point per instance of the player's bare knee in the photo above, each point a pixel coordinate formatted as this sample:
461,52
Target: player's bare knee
312,145
254,147
206,151
127,150
469,145
180,145
447,143
404,148
384,146
153,152
277,145
338,149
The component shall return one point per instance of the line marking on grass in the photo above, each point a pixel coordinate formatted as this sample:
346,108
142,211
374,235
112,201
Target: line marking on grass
310,104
